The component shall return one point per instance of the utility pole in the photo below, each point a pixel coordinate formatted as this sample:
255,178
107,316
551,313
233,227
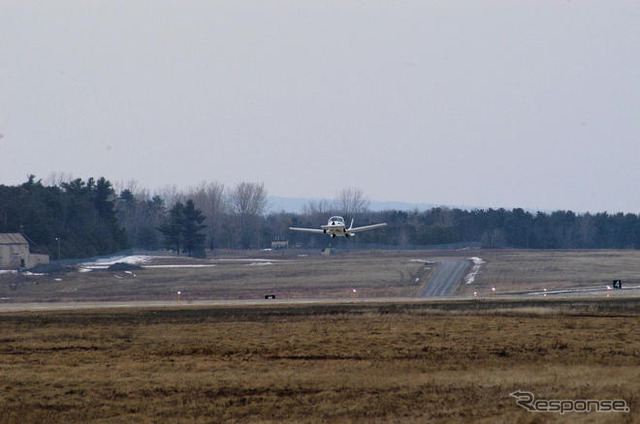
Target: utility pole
58,240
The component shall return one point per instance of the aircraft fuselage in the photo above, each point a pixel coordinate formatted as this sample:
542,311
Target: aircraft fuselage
336,227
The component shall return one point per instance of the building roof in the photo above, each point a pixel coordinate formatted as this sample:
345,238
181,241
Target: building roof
12,238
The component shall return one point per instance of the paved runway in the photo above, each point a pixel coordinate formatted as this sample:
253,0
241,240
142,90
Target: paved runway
446,277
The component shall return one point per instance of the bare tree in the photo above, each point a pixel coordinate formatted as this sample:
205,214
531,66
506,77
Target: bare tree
170,194
248,202
318,209
140,215
351,201
132,185
210,199
57,178
249,199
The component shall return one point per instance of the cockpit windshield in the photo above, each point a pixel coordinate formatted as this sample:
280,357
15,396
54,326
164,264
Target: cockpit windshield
337,219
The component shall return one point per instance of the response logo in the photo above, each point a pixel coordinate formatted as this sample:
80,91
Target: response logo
528,401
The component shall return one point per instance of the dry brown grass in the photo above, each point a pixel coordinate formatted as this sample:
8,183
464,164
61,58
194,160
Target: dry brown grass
518,270
347,363
372,273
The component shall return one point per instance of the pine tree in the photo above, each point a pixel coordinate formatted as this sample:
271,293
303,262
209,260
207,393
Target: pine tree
182,231
192,227
172,230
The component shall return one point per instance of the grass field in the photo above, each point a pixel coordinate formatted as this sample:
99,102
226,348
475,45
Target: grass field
360,363
292,277
373,274
513,270
413,362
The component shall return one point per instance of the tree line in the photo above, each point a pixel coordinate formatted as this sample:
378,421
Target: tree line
78,218
70,220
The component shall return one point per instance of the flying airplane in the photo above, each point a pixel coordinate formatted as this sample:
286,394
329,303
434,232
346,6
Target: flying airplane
336,228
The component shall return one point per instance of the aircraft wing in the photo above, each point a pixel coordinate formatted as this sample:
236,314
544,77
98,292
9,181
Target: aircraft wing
367,227
307,230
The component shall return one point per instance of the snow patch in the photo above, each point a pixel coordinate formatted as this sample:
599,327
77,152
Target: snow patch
107,262
182,266
471,276
131,260
422,261
260,263
248,259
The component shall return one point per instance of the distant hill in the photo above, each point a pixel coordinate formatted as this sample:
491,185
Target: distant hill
296,205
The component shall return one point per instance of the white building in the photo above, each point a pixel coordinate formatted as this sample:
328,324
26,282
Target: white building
14,253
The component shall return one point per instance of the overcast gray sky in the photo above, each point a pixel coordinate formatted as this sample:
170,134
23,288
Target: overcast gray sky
490,103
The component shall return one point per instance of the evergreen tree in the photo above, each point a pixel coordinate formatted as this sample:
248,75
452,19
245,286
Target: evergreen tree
192,227
182,231
172,230
78,215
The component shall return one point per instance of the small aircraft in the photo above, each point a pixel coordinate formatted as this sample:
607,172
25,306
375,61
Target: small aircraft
336,228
